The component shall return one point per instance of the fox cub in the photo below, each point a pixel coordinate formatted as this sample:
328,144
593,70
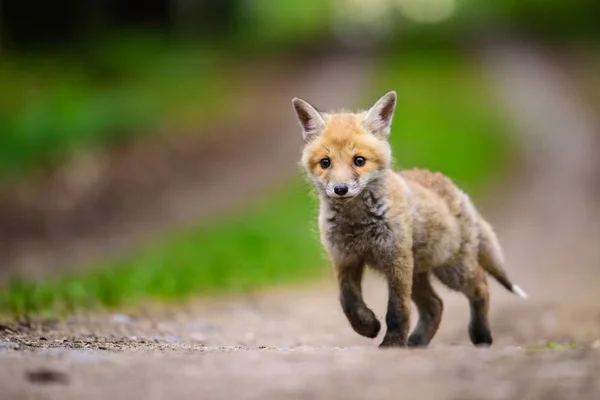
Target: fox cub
407,225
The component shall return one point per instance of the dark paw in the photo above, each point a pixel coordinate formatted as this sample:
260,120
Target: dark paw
480,336
365,323
392,340
417,340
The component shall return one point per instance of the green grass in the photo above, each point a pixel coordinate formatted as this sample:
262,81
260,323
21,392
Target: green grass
554,346
271,242
441,122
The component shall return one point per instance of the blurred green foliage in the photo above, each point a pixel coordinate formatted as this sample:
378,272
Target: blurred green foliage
446,117
123,83
444,120
54,105
268,24
95,92
550,18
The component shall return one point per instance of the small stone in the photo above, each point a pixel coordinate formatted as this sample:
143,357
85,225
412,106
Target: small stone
46,376
167,338
596,344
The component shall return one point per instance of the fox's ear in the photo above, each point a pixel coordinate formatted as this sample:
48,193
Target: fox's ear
379,117
311,121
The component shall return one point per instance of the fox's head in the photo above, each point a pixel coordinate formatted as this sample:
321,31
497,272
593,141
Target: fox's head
345,152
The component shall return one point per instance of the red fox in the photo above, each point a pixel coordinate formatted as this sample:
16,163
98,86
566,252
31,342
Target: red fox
407,225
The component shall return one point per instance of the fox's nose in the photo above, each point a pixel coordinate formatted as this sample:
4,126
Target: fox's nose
340,190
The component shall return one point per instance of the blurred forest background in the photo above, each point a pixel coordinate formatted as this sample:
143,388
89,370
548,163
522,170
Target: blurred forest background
148,148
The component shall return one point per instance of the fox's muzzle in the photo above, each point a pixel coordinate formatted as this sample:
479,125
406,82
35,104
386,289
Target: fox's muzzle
341,189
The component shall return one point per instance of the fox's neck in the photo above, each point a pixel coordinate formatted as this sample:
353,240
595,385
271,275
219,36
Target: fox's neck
372,202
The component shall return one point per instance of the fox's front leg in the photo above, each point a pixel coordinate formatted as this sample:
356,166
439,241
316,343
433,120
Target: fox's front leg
361,318
397,318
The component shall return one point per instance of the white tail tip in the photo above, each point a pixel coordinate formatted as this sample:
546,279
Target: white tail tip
519,292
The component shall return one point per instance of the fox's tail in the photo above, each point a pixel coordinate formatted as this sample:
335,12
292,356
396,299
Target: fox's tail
491,259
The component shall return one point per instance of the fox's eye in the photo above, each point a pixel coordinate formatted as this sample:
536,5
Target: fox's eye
325,163
359,161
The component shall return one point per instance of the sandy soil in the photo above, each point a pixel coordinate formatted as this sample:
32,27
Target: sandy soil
295,342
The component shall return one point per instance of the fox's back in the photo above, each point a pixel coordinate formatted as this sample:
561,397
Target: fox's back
444,219
439,184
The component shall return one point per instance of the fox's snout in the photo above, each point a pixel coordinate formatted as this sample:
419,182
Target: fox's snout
340,181
343,190
340,190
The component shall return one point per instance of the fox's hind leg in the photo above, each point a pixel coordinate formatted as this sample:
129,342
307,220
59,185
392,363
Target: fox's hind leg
470,279
430,308
478,294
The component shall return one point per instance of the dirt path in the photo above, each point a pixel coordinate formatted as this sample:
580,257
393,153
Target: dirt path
295,343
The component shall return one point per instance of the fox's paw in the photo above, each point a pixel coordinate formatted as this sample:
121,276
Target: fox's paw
480,335
417,339
365,323
393,340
